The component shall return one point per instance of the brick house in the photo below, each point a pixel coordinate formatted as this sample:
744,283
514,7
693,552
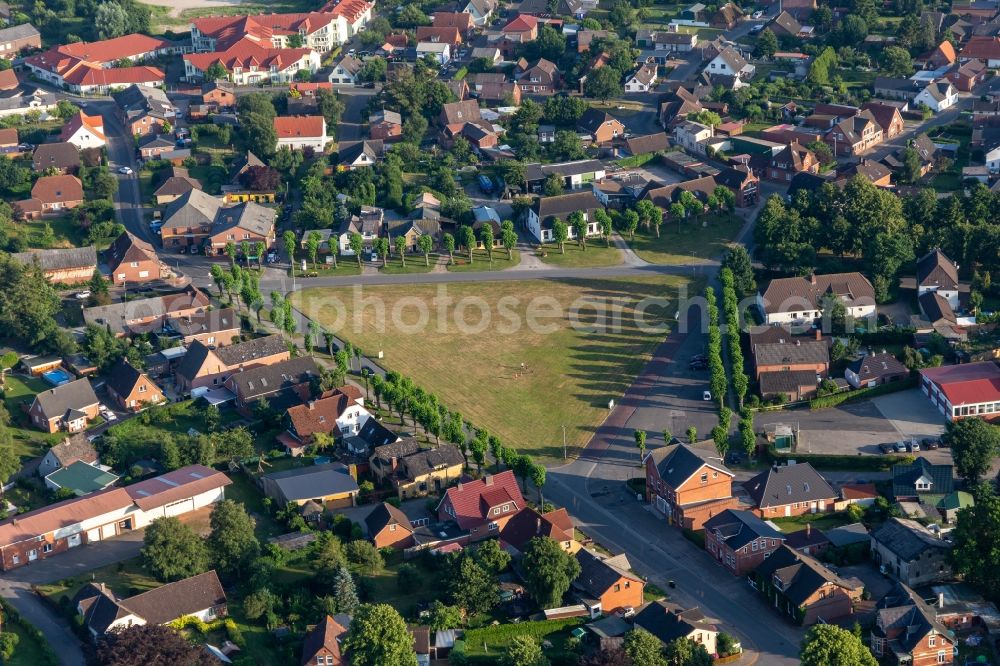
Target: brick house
803,589
967,76
669,622
790,490
875,369
389,527
62,155
17,38
131,260
385,125
740,540
218,94
57,193
215,328
602,127
205,366
66,407
414,470
322,644
855,135
74,448
146,315
887,116
281,384
743,182
144,109
247,222
688,484
907,629
529,524
132,389
607,585
790,160
338,413
540,78
484,506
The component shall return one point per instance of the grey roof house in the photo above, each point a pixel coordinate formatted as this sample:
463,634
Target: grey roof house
330,484
790,490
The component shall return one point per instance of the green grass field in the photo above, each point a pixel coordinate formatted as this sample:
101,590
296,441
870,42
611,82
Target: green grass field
126,578
821,521
495,639
522,382
482,263
596,254
414,264
689,242
28,441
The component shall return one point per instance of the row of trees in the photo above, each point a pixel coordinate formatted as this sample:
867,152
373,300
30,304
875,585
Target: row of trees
740,381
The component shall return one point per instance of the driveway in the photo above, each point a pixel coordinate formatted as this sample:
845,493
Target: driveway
911,414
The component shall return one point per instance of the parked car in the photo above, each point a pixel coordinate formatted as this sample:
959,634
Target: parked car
913,446
706,395
82,295
887,448
757,29
125,170
107,413
485,184
901,447
930,443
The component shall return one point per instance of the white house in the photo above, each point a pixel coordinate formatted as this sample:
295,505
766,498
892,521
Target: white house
691,136
368,225
938,274
800,300
643,80
439,50
250,64
300,132
542,216
730,63
481,11
937,96
346,71
84,131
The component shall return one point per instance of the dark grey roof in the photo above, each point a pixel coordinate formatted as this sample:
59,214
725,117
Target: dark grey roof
876,366
23,31
60,258
905,477
539,172
792,352
778,486
800,574
174,600
592,119
668,621
936,308
210,321
62,155
373,148
384,453
786,381
311,482
564,204
907,538
385,514
138,100
598,574
248,215
903,614
847,535
679,462
123,377
374,434
935,269
55,402
192,209
231,355
425,461
738,528
267,379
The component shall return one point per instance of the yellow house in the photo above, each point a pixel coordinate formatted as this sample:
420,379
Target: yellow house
415,471
329,485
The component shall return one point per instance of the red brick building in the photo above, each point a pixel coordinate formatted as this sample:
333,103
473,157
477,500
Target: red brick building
389,527
740,541
322,644
132,389
607,585
803,589
790,490
907,629
688,484
483,506
131,260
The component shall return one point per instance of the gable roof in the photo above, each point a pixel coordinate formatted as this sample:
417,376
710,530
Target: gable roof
528,524
905,477
54,516
800,575
907,538
292,127
647,143
936,308
126,249
738,528
194,208
61,155
176,485
787,484
230,355
80,120
935,269
790,294
793,352
55,402
966,383
123,377
902,613
174,600
733,59
74,448
58,259
319,415
467,497
315,481
668,621
592,119
426,460
599,574
61,188
677,463
386,514
266,379
564,204
324,635
460,112
875,366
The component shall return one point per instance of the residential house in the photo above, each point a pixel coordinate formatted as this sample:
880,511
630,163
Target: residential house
785,25
301,132
215,328
460,20
576,175
218,94
437,34
529,524
389,527
875,369
546,210
196,219
803,589
606,584
338,413
691,136
729,62
907,629
647,143
52,194
84,131
790,300
345,71
887,116
368,225
480,10
938,274
688,484
790,490
875,173
982,47
665,40
855,135
250,63
200,597
777,353
153,146
740,541
131,389
414,470
372,434
960,391
386,125
968,75
282,384
86,67
178,183
319,30
742,181
542,77
146,315
791,385
911,553
63,156
793,159
74,448
73,265
484,506
68,407
322,644
600,126
670,622
130,260
499,93
330,485
145,110
207,366
922,480
17,38
726,17
64,525
642,80
937,96
440,52
360,154
520,30
239,188
247,222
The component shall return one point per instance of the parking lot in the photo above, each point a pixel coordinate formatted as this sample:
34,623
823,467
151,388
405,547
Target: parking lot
858,428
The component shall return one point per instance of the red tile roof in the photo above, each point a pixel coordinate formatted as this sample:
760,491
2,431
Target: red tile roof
856,491
57,189
319,415
95,124
970,383
523,23
64,57
62,514
289,127
352,10
177,485
8,79
982,47
86,75
246,53
228,30
472,500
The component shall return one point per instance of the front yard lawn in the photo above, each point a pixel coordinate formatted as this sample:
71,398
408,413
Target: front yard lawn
596,254
126,578
414,264
821,521
688,243
481,262
495,639
29,442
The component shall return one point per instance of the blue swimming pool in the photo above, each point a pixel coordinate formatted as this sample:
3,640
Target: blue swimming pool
56,377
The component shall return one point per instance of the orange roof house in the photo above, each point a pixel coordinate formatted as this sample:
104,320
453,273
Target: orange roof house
84,66
84,131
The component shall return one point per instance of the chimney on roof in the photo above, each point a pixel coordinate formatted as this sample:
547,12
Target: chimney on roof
940,599
812,278
488,480
819,334
809,529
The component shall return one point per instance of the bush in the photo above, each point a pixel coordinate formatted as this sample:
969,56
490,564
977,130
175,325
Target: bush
859,462
8,642
408,578
827,401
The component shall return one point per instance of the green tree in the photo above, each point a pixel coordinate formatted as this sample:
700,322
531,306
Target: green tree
549,570
381,246
378,637
345,593
232,541
149,643
444,617
737,259
365,555
400,244
509,238
554,185
288,239
313,241
472,588
467,238
491,557
829,645
767,44
357,244
486,238
216,72
643,648
449,245
977,541
426,243
524,650
603,84
579,224
640,443
974,443
630,222
259,133
171,551
686,652
606,224
560,231
692,435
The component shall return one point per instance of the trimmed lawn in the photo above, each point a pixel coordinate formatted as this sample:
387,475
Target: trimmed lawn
414,264
64,232
596,254
495,639
482,263
345,267
28,441
821,521
545,341
244,491
126,578
691,244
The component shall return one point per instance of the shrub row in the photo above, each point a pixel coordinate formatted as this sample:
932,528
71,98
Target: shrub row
827,401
